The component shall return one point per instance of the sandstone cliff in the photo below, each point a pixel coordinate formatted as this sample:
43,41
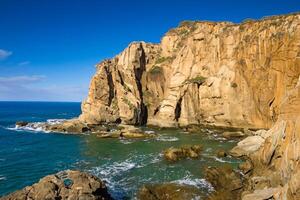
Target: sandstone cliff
223,74
214,73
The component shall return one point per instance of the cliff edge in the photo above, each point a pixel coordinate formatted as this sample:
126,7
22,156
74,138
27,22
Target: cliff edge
212,73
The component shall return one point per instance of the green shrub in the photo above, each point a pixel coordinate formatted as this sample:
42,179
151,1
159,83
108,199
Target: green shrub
186,23
114,104
247,20
156,70
199,80
161,60
183,32
126,88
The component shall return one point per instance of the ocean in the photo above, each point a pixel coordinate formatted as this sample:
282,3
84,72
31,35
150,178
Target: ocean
125,165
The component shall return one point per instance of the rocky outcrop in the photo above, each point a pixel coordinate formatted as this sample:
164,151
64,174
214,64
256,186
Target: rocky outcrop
187,151
169,191
126,131
214,73
227,183
275,154
64,185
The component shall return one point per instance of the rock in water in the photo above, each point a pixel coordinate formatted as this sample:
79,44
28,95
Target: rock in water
169,191
221,153
188,151
227,183
65,185
21,123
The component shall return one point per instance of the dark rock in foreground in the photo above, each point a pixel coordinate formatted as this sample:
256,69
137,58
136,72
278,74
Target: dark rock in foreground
169,191
227,183
71,185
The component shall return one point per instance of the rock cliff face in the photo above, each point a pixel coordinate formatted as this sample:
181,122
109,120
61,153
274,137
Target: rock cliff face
235,75
277,161
222,74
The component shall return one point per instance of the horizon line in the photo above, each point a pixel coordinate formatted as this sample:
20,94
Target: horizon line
42,101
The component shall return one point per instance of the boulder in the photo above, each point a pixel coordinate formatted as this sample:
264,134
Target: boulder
247,146
221,153
21,123
261,194
227,183
169,191
65,185
68,126
187,151
127,132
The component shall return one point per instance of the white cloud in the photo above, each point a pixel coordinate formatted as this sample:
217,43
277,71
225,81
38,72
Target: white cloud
28,88
15,80
24,63
4,54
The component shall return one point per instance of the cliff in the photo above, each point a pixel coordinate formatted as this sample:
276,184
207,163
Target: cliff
212,73
215,73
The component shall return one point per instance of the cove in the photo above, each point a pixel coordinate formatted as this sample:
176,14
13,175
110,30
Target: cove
125,165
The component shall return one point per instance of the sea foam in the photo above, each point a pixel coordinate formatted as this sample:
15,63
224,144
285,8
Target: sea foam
36,126
164,138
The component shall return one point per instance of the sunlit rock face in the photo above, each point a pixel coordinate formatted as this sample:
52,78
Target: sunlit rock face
211,73
223,74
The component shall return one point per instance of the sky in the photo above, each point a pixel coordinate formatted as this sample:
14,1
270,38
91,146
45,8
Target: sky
48,48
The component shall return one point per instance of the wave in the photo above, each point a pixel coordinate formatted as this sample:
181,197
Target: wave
124,141
55,121
165,138
114,174
218,159
2,178
36,126
149,132
196,182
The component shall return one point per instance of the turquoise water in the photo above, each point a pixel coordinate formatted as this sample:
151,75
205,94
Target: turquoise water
125,165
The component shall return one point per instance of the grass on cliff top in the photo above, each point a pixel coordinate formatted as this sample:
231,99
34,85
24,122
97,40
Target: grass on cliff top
199,80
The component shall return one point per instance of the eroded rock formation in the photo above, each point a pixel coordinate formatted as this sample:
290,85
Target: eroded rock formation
63,185
211,73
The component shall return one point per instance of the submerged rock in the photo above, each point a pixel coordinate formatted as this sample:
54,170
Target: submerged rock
65,185
169,191
188,151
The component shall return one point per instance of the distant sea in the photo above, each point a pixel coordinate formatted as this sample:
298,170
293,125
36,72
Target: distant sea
125,165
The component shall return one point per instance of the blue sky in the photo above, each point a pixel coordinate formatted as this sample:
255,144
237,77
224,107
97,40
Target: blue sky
48,48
